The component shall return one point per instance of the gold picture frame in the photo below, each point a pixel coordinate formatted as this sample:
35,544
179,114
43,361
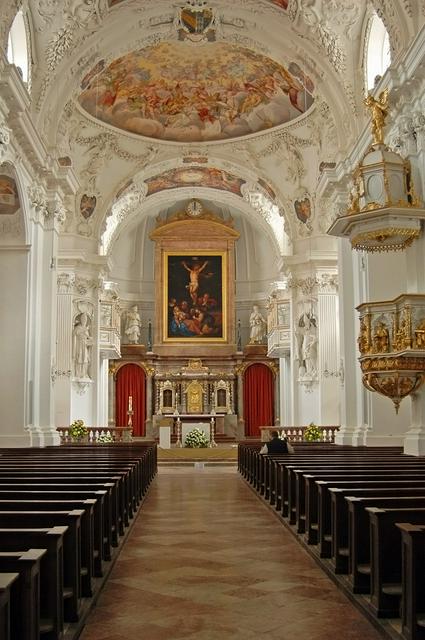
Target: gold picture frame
195,303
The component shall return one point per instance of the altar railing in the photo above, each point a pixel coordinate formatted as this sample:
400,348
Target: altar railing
119,434
296,434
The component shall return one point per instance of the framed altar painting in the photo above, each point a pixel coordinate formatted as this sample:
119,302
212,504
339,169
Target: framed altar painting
195,296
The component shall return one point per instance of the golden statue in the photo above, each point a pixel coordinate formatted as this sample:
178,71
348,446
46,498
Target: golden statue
379,111
363,340
381,338
420,335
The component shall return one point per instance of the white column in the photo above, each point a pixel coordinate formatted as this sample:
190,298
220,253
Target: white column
43,329
329,352
285,383
414,440
352,393
102,395
63,367
368,418
15,385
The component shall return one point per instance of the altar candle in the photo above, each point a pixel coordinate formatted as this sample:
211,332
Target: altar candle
130,403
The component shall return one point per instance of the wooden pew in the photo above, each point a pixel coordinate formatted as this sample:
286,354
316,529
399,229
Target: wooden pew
413,580
6,583
90,528
321,505
340,522
120,479
24,610
23,493
296,485
51,570
111,509
385,565
74,574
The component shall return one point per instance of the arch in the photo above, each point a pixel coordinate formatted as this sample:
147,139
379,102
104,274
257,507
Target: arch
131,382
17,47
258,398
125,213
377,51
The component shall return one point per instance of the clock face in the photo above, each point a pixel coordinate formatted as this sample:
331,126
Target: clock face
194,208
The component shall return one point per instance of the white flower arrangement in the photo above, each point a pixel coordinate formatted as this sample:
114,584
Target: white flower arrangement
196,439
78,430
105,438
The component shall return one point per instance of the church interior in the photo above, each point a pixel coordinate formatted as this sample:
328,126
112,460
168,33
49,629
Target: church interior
211,229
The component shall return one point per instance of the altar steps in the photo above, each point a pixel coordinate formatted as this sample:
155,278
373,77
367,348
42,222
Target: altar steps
223,454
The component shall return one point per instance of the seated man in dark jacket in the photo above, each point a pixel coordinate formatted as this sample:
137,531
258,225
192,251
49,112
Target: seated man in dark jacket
276,445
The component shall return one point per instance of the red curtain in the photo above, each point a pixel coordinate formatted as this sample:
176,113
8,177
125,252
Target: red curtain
258,398
131,381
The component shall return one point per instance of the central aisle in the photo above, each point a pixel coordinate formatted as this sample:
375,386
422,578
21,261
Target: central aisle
206,560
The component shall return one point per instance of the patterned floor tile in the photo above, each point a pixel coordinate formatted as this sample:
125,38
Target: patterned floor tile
207,561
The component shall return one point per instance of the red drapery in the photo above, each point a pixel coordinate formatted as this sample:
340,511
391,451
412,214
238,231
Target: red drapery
131,381
258,398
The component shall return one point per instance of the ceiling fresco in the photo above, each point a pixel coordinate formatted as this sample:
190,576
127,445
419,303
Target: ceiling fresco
173,91
209,177
283,4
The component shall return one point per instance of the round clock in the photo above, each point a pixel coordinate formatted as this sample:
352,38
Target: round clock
194,208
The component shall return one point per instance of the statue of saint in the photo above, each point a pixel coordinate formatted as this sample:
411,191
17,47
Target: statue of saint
309,352
132,325
258,326
81,346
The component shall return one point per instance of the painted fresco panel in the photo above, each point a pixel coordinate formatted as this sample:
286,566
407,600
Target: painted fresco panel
9,198
195,177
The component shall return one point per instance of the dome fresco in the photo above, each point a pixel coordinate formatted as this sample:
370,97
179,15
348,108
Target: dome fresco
177,92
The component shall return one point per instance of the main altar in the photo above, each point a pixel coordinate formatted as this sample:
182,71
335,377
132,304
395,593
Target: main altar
193,368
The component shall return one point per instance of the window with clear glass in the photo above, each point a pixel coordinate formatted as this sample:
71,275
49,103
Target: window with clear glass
17,48
378,52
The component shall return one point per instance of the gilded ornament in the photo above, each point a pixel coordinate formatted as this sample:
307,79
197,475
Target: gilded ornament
381,338
420,335
379,112
395,239
395,386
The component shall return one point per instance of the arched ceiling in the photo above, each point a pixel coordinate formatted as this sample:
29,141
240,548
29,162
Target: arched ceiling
258,94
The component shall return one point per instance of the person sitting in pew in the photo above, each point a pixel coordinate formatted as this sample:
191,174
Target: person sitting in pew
277,445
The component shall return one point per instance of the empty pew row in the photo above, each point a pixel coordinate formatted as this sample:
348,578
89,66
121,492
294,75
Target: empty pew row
63,513
361,513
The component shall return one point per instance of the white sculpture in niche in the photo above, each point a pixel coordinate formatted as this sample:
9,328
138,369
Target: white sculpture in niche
82,343
258,326
132,325
307,346
309,353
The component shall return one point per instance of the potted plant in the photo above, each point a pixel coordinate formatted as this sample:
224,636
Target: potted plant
313,433
78,431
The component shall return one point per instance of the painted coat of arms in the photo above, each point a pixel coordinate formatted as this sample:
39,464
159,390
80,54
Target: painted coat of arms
196,22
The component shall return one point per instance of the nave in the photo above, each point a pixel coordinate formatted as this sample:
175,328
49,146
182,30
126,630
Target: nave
206,560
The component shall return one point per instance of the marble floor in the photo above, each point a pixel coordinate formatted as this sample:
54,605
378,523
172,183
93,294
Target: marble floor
206,560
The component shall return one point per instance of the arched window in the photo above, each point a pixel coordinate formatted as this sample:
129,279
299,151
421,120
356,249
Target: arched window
377,52
17,46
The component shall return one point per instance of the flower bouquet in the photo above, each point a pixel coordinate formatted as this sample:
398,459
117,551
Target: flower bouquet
196,439
105,438
78,430
313,433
